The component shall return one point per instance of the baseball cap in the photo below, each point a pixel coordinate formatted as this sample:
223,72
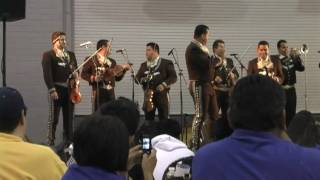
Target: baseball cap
11,103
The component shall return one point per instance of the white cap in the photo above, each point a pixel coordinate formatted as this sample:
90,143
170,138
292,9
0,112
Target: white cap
169,150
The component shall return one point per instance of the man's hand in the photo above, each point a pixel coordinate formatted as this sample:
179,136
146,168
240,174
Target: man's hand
54,95
135,154
148,164
160,87
218,79
126,66
232,75
96,78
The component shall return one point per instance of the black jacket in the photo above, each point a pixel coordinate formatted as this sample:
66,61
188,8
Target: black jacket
223,71
56,70
289,67
163,72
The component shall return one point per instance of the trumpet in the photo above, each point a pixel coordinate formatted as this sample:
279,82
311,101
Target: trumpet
303,50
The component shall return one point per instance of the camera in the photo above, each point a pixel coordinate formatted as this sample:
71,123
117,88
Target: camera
145,141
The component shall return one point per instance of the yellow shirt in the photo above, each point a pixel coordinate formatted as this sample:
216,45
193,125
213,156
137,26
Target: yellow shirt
22,160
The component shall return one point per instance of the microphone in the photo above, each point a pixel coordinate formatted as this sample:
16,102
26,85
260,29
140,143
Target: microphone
171,51
85,44
234,54
120,50
304,47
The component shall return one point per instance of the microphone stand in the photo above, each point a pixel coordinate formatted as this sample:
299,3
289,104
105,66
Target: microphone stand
239,60
305,83
182,120
126,57
3,63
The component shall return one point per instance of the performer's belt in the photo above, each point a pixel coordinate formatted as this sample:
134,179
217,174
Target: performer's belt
287,86
222,88
201,82
61,84
107,86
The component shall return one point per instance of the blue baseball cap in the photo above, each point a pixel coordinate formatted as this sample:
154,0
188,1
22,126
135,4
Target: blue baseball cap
11,103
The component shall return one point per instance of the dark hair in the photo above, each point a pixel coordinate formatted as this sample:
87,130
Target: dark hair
280,42
102,43
103,142
154,46
257,103
9,124
216,43
125,109
263,43
55,35
11,106
199,30
304,129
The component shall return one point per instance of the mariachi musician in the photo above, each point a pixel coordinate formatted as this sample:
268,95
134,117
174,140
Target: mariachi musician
156,75
291,62
201,67
101,72
265,65
225,78
58,65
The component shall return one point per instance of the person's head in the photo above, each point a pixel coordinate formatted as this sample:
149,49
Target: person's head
263,49
126,110
283,48
103,142
218,47
58,40
105,47
201,34
257,103
152,51
12,112
304,129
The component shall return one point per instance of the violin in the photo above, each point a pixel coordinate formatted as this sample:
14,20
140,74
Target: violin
75,95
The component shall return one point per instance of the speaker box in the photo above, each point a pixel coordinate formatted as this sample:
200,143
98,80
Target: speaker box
12,10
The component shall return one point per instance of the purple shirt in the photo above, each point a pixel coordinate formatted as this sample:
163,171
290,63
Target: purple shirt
247,155
77,172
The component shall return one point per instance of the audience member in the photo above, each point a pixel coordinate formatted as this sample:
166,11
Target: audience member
19,159
259,147
304,130
101,147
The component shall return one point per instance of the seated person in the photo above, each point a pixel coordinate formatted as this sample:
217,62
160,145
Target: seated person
101,148
304,130
128,112
19,159
259,147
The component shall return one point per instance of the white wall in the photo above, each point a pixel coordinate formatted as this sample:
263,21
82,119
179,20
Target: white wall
133,23
26,41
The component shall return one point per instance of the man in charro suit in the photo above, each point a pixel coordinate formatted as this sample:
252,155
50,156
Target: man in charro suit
58,64
201,68
225,78
156,75
265,65
102,72
291,62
